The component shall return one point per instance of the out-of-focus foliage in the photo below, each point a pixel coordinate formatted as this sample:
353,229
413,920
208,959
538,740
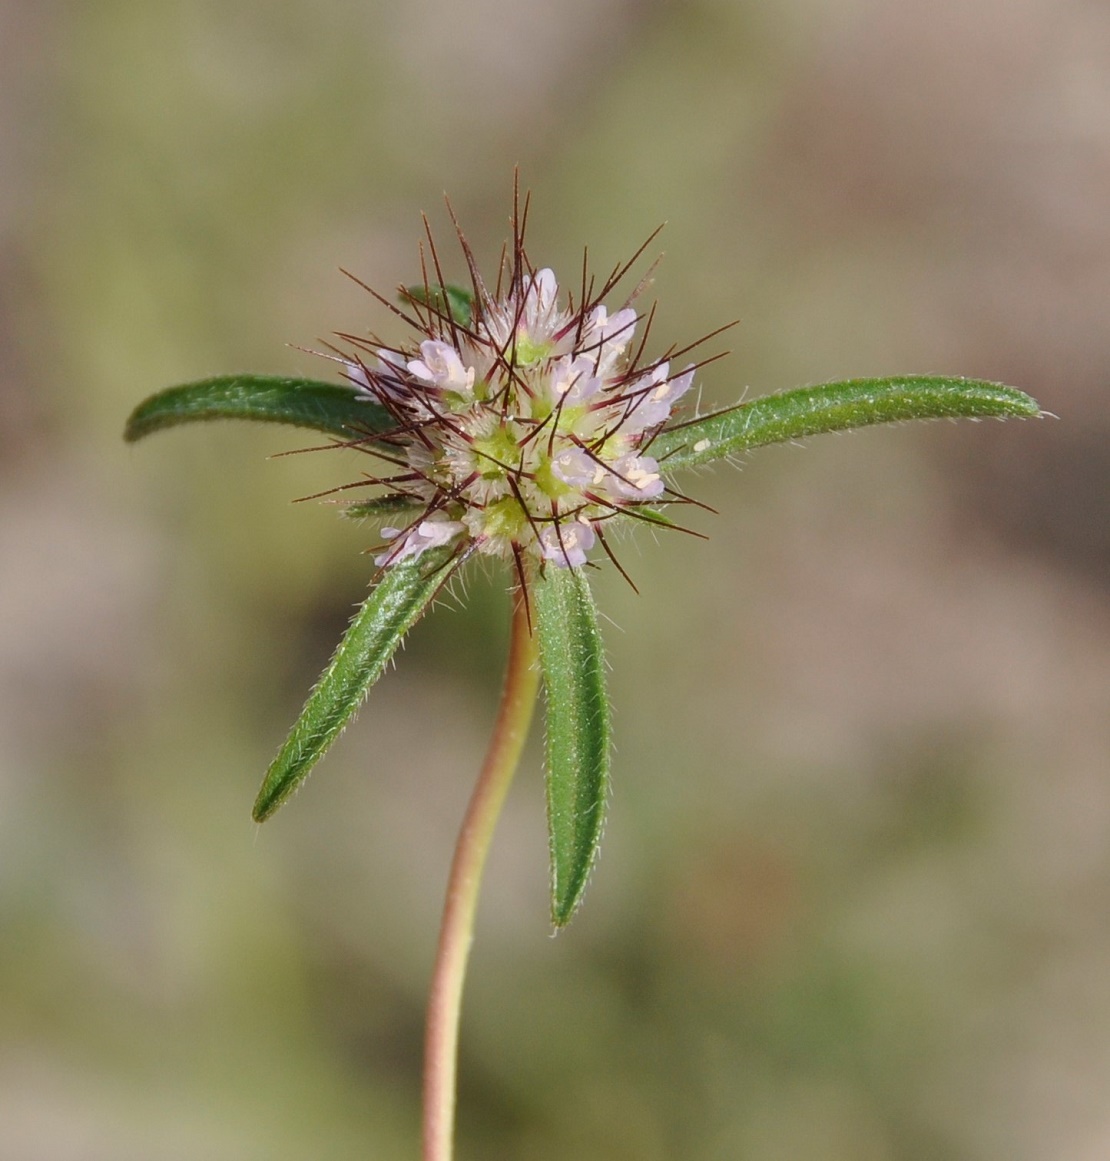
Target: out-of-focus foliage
870,808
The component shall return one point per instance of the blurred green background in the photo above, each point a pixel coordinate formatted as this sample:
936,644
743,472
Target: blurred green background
854,900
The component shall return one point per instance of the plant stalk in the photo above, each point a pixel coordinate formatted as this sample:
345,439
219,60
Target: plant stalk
441,1038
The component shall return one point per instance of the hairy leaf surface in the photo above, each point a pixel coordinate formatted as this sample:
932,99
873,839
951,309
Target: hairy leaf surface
326,407
578,731
392,608
835,407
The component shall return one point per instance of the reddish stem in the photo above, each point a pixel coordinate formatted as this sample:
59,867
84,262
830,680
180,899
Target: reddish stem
441,1039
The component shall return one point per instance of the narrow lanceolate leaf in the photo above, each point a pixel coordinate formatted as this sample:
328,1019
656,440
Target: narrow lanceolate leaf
835,407
573,665
392,608
393,504
326,407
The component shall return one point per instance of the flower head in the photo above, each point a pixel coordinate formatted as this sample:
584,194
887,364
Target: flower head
523,424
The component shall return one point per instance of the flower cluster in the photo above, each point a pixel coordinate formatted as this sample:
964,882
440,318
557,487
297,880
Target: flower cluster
521,428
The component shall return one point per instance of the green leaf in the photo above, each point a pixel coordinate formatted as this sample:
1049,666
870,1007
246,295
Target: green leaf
573,665
449,301
326,407
393,504
835,407
392,608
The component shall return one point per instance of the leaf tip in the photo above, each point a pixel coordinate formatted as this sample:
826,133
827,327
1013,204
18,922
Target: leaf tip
282,780
563,912
267,802
1025,406
135,427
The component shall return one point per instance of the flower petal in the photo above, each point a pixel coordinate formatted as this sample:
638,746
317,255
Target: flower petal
566,543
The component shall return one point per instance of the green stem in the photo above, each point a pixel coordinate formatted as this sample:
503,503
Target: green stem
441,1039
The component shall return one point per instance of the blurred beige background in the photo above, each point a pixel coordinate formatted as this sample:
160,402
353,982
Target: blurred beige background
854,902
